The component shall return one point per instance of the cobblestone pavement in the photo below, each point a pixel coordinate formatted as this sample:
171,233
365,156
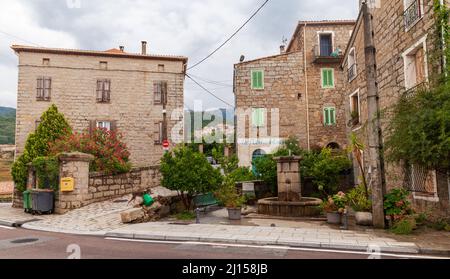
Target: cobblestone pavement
6,188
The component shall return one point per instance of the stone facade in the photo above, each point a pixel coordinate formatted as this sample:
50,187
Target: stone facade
7,152
131,108
402,64
293,95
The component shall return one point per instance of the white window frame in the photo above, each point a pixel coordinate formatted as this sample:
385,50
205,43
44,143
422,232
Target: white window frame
359,107
409,66
406,6
319,33
251,79
352,50
101,125
321,78
418,196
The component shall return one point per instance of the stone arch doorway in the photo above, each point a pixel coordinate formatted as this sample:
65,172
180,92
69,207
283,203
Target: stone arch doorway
258,153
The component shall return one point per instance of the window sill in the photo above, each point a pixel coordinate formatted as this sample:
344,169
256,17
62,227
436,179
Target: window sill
43,100
103,102
329,87
431,197
356,127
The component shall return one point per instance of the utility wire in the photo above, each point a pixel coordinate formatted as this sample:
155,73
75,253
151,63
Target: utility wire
21,39
231,37
209,92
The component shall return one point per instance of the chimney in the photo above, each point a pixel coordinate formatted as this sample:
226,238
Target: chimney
122,48
282,49
144,48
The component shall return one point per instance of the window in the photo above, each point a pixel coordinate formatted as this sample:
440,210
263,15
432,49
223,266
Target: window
351,61
46,62
158,133
413,12
161,68
103,65
329,116
160,93
103,91
258,117
327,78
44,89
355,109
415,65
257,79
326,44
104,125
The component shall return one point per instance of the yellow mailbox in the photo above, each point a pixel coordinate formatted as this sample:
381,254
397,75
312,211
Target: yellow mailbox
67,184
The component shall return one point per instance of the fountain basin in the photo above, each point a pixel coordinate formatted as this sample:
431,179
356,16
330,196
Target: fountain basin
306,207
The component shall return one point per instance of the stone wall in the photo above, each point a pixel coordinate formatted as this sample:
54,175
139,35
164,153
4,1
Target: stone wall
7,152
74,81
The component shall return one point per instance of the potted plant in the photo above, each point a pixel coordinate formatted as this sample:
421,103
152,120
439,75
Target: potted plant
361,204
229,196
334,207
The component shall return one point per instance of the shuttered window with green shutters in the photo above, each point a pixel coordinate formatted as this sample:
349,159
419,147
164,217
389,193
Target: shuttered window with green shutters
258,117
329,116
327,78
257,79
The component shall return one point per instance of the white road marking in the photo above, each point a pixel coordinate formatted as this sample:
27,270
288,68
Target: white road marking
274,247
7,228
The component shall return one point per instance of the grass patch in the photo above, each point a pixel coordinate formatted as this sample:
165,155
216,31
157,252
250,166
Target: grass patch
5,170
404,227
185,216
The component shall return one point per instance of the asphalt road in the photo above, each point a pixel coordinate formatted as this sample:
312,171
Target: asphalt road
25,244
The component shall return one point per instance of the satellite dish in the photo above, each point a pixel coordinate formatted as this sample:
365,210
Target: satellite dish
242,58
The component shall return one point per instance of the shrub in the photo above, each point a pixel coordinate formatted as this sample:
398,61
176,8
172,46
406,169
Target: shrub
47,172
396,205
53,126
358,200
111,154
336,203
240,174
404,227
266,170
189,173
229,196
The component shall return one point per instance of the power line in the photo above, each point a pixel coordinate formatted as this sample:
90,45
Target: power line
209,92
19,38
231,37
215,82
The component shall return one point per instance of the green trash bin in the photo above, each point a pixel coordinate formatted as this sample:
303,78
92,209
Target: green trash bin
27,205
148,200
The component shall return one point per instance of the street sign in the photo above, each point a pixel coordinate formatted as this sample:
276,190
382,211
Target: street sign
166,144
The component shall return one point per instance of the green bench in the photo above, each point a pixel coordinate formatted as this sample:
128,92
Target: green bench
205,200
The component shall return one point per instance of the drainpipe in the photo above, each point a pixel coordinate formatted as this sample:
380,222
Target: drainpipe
373,122
444,45
306,89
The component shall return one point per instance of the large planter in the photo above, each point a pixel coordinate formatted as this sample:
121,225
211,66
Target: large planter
364,218
333,218
235,213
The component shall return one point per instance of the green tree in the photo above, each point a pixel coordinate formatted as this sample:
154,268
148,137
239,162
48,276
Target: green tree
53,126
189,173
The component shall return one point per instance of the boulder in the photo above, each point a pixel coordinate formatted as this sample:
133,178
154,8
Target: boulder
364,218
132,215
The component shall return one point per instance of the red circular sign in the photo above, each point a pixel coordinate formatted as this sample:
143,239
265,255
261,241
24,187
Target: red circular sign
166,144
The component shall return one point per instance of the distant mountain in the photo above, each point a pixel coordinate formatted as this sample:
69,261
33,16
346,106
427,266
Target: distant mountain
227,116
7,125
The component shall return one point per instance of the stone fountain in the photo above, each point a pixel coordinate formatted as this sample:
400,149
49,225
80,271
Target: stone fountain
289,202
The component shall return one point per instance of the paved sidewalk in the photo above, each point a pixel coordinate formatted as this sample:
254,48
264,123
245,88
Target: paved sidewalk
253,235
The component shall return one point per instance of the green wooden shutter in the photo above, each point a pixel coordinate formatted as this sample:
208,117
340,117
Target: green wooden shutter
258,117
330,78
332,116
260,80
324,78
254,79
257,79
326,116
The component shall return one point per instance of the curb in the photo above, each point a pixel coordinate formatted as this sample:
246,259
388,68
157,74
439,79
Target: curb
334,246
8,224
72,232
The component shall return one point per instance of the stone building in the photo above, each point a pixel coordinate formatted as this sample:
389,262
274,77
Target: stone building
402,32
135,94
298,92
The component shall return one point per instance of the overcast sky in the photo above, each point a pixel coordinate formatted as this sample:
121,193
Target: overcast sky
192,28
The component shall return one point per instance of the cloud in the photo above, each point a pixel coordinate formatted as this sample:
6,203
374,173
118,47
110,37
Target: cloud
190,28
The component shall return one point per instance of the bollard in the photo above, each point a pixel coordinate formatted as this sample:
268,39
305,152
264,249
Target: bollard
197,215
345,225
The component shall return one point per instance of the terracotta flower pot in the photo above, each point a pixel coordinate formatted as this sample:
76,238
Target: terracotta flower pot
333,218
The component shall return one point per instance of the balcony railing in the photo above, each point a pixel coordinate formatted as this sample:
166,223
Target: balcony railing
414,90
413,13
352,72
334,57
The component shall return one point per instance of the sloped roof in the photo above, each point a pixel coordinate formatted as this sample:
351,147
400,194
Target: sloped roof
108,53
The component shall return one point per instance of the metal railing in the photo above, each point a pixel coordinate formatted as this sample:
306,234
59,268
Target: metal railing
413,13
352,72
